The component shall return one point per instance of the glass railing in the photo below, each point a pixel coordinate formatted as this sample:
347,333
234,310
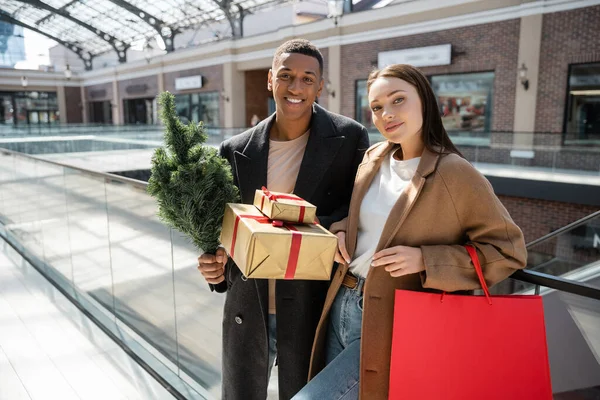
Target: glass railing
99,234
572,252
542,152
99,237
122,131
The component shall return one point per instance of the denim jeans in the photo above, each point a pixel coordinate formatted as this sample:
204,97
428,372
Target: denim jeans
272,342
339,379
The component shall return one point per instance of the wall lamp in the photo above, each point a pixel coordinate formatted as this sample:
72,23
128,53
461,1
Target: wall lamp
336,9
24,82
224,96
68,72
329,88
523,76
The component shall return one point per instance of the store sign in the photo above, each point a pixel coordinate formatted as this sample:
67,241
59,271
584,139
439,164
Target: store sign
417,57
94,94
188,82
136,89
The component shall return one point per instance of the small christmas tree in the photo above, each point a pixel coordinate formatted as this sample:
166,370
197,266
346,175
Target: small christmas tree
191,182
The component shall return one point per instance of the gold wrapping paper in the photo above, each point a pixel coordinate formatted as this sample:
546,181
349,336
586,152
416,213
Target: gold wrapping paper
284,209
262,250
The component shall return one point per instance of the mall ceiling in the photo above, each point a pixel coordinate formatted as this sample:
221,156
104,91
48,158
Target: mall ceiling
90,28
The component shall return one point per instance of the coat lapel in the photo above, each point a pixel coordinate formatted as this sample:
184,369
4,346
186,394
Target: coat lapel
323,144
407,199
251,163
364,176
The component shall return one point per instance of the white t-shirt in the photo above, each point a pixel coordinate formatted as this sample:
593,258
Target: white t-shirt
391,179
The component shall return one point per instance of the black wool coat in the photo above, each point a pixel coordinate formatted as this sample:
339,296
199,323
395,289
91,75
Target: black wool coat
334,150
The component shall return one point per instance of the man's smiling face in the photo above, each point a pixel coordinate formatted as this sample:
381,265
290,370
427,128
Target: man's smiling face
296,82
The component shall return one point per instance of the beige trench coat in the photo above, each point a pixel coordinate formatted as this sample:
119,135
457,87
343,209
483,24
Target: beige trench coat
447,204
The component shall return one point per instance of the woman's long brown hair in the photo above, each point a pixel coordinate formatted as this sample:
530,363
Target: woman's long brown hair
435,137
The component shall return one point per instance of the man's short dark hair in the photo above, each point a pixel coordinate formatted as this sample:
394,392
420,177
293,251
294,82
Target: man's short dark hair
300,46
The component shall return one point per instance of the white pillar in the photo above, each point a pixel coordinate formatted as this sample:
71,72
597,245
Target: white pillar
530,41
62,104
118,115
234,89
334,76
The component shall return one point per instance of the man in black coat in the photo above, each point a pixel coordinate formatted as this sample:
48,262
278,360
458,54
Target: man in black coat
316,153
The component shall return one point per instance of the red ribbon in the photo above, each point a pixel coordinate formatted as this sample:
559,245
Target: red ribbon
275,197
290,271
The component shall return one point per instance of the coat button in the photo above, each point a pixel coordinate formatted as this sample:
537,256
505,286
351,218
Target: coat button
238,320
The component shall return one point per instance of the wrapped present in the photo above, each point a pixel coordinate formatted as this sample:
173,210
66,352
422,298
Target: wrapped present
285,207
264,248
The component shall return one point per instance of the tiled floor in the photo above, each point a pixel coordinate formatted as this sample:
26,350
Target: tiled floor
49,350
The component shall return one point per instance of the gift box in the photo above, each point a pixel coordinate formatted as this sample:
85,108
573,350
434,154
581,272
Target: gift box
285,207
264,248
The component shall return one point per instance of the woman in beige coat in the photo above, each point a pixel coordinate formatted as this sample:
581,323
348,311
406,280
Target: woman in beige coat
415,203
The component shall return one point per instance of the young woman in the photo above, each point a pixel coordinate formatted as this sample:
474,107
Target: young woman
415,203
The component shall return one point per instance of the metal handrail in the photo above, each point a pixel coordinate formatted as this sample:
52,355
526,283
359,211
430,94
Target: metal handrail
105,175
563,229
565,285
557,283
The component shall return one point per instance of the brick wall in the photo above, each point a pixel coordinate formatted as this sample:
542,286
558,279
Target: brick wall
257,94
488,47
568,37
212,81
323,100
537,218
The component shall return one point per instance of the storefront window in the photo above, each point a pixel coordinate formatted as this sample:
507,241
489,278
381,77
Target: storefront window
583,105
465,101
32,107
363,111
199,107
6,109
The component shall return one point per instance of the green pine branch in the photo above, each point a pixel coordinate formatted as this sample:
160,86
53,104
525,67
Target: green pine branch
189,180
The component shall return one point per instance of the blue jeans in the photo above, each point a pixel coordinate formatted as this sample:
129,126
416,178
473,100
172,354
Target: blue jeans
339,379
272,343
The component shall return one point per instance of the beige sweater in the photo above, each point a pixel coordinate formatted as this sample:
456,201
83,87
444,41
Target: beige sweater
285,158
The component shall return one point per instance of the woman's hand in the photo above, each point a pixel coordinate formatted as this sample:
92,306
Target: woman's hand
341,256
400,260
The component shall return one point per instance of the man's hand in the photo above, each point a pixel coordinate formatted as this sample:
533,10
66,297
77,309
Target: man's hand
400,260
341,256
212,266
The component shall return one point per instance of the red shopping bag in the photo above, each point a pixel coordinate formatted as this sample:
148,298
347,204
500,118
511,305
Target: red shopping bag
450,347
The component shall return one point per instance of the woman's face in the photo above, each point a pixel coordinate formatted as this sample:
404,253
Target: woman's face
397,111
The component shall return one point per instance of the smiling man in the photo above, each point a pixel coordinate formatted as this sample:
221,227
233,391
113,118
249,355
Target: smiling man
301,149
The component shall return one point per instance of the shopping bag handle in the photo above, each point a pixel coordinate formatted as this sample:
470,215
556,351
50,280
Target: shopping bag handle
475,259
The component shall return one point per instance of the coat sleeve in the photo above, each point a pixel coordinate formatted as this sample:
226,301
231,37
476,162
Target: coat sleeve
486,224
362,144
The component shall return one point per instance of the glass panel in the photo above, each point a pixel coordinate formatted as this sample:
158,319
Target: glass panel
141,261
9,199
25,222
573,338
209,109
573,254
88,235
55,220
465,101
199,318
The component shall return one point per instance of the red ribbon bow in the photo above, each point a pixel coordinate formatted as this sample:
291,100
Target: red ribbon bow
275,197
290,270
